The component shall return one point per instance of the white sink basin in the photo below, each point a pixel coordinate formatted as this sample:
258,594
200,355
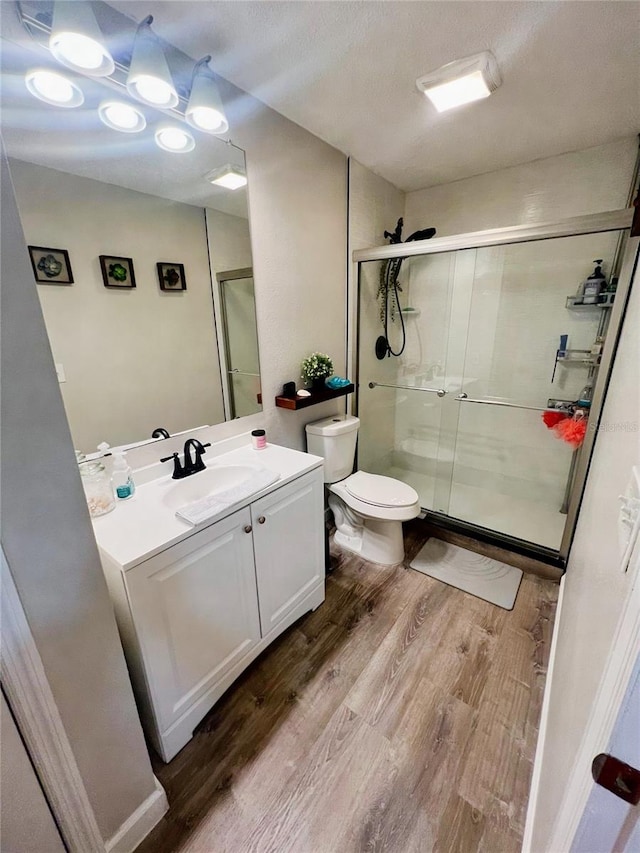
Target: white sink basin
204,483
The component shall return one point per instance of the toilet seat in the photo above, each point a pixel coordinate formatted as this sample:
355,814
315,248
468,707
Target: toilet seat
380,511
380,491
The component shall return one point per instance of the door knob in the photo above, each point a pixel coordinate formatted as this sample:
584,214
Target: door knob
617,777
262,519
247,528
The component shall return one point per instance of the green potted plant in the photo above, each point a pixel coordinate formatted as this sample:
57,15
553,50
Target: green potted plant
315,369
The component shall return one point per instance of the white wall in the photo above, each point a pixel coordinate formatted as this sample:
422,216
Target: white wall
133,359
49,545
230,241
595,589
545,190
298,216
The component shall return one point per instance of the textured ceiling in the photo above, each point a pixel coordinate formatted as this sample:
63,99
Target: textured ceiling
346,71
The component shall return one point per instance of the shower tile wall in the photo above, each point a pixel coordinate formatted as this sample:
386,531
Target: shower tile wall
375,205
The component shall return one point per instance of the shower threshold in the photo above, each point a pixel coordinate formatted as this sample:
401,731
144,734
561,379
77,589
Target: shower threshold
522,547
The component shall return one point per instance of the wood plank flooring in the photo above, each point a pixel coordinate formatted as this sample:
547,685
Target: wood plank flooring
401,716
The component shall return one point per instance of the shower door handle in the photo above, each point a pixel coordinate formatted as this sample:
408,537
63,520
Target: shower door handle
439,391
464,398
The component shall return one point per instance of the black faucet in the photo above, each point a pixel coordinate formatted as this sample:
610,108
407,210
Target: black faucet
190,465
160,432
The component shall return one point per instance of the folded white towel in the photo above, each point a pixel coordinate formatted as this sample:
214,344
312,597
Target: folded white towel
207,508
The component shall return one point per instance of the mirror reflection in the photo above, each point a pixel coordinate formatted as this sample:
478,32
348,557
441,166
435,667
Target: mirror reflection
157,327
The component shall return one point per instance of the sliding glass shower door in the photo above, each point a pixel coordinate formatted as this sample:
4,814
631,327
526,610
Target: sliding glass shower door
492,336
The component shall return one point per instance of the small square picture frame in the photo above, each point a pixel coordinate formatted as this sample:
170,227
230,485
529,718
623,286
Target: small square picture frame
171,277
117,272
50,266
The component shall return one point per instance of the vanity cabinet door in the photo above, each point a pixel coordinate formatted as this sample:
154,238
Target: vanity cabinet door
288,536
196,613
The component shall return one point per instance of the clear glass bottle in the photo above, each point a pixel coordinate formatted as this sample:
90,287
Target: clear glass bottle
97,488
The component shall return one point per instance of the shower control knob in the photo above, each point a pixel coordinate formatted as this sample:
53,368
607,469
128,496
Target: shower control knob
247,528
262,519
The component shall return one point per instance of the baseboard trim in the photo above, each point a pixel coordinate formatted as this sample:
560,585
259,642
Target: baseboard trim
542,731
139,824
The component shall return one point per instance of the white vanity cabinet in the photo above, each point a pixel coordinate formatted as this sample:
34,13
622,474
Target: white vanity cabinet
289,552
194,615
195,610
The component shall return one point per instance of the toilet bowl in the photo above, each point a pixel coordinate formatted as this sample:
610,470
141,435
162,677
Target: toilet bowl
368,508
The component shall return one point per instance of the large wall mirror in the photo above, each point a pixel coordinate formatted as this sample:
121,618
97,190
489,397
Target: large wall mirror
110,210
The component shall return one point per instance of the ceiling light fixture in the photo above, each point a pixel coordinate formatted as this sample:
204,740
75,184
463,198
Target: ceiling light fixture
230,177
461,82
53,88
120,116
75,39
149,78
204,110
176,140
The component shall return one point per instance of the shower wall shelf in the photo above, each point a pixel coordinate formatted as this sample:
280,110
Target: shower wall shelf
295,403
605,300
579,356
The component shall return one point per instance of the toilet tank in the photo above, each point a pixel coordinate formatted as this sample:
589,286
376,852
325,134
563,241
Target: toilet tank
335,440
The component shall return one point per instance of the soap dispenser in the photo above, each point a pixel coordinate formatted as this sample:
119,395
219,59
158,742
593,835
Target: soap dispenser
594,285
122,477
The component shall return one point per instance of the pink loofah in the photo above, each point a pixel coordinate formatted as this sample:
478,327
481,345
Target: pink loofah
572,430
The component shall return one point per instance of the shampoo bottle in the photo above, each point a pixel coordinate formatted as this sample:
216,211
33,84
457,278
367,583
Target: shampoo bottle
594,285
122,478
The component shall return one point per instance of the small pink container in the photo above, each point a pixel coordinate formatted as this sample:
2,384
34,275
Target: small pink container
258,439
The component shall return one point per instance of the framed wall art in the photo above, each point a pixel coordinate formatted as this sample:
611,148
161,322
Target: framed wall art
117,272
171,276
50,266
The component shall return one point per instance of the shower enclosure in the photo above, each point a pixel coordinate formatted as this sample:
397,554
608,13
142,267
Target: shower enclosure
458,415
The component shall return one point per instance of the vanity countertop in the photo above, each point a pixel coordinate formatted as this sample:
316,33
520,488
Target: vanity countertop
143,526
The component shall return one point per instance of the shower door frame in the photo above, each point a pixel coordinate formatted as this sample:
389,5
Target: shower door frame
627,251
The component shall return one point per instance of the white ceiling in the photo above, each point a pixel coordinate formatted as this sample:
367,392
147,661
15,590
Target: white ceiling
346,71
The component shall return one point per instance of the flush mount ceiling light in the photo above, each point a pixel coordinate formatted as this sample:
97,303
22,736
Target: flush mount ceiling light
204,110
120,116
149,78
461,82
230,177
75,40
53,88
176,140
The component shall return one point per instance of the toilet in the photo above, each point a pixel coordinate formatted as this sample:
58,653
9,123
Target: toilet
368,509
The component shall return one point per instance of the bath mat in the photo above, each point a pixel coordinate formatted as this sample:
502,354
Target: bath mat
480,576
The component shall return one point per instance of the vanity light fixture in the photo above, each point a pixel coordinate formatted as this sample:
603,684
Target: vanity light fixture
149,79
174,139
461,82
230,177
76,40
204,110
53,88
121,116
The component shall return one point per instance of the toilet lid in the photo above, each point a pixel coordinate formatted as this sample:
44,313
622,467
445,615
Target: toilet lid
380,491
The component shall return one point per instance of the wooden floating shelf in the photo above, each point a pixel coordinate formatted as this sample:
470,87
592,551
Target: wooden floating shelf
295,403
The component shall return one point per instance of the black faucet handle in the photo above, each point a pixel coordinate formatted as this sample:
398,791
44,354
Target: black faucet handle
169,458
